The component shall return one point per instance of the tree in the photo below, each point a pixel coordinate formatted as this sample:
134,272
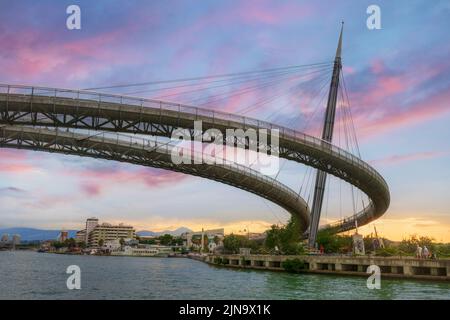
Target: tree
122,241
409,245
101,242
58,244
333,243
166,240
233,242
69,243
148,241
286,239
179,241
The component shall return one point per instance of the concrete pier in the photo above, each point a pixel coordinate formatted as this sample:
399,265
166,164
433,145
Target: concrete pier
397,267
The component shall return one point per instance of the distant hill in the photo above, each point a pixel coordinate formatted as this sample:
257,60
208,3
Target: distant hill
176,232
30,234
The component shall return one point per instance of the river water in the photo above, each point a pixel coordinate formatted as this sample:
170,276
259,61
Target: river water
32,275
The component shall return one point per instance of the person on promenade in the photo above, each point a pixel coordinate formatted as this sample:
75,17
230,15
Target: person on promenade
418,252
426,253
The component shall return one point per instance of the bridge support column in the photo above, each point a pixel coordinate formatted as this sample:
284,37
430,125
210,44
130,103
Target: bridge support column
327,135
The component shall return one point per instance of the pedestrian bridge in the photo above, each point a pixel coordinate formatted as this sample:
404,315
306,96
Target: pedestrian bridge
23,108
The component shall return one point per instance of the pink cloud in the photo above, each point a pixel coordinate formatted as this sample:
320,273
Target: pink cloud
377,66
245,12
30,55
12,155
386,84
112,176
390,85
396,159
393,117
91,189
46,202
348,70
266,12
16,168
397,99
18,162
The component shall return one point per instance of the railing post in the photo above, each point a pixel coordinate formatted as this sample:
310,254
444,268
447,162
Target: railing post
31,105
7,101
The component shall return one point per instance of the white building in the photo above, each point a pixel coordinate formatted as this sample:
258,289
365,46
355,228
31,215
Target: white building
106,232
144,251
96,233
81,236
112,245
91,223
205,238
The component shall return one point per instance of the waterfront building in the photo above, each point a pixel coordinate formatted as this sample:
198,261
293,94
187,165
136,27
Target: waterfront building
114,245
205,238
108,232
63,236
111,245
91,223
81,236
105,233
143,251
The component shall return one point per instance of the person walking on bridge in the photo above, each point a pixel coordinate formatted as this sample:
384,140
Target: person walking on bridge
426,253
418,252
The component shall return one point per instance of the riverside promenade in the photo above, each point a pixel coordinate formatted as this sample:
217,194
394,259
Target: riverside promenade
396,267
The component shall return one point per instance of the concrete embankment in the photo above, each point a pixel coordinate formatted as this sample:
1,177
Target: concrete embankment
398,267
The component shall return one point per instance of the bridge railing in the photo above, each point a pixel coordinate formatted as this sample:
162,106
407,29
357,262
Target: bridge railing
187,109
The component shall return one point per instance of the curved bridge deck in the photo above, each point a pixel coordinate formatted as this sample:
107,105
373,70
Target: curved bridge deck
21,105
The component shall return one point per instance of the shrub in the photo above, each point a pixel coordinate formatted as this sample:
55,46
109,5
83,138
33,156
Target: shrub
294,265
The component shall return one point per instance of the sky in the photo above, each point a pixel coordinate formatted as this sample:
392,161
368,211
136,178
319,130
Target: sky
397,77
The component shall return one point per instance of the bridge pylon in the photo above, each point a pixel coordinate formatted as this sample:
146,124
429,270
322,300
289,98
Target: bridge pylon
327,135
